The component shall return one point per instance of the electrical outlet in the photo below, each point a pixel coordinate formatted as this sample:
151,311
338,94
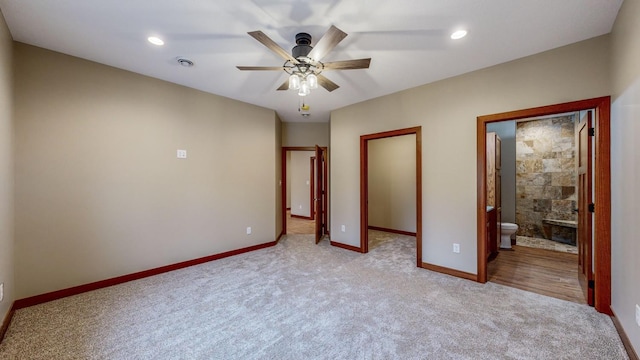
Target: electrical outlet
2,291
638,314
456,248
343,228
181,154
249,230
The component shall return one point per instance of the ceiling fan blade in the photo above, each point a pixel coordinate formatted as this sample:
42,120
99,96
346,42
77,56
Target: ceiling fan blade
326,83
348,64
326,43
266,41
260,67
285,85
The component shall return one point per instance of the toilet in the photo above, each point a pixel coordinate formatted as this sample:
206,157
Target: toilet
506,230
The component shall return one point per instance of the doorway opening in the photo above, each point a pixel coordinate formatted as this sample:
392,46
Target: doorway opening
593,265
365,187
304,191
532,183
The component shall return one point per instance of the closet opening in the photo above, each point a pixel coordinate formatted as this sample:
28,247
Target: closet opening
384,207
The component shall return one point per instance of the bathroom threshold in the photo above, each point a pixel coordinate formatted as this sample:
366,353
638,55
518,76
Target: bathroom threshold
545,272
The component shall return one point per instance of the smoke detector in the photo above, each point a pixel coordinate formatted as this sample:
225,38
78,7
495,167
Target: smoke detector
184,61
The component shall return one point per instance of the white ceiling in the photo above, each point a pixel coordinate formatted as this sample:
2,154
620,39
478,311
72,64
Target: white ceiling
408,40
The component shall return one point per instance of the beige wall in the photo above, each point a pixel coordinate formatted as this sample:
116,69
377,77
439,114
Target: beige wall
625,168
447,111
6,170
305,134
99,191
301,182
392,183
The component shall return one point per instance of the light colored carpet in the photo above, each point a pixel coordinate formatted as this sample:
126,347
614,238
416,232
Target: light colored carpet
299,300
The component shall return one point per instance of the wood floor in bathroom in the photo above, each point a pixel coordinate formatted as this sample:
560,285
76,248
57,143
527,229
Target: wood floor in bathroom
541,271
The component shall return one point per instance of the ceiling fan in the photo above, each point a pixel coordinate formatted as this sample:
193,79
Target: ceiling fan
303,64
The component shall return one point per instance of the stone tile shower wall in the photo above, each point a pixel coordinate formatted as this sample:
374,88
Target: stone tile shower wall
545,173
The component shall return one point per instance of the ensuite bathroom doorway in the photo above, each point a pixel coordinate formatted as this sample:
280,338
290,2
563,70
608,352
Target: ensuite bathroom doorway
546,189
538,187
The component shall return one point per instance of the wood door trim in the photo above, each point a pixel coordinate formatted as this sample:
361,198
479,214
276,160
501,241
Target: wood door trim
312,188
364,186
325,190
317,195
602,186
283,176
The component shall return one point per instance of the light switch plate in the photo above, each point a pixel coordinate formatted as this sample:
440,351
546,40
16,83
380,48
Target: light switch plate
249,230
638,314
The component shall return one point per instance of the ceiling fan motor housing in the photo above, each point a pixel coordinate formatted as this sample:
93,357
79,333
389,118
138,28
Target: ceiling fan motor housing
303,45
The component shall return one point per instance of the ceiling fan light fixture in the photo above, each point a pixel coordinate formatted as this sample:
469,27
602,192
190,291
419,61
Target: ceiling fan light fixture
304,88
294,82
312,80
303,65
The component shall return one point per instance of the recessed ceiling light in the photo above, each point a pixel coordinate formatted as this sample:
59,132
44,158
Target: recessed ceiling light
459,34
155,40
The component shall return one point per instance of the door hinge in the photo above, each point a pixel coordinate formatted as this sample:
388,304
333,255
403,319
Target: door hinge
592,284
592,207
592,131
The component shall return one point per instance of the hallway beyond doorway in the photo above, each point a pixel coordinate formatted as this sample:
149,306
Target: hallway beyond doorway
296,225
